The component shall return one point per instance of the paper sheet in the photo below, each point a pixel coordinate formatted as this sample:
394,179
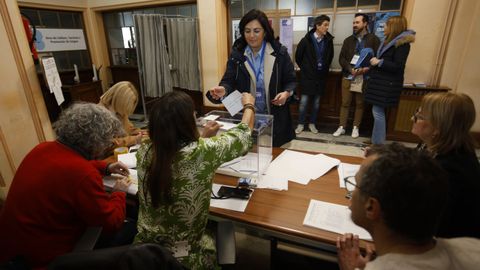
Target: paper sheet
233,102
273,182
334,218
300,167
234,204
128,159
345,170
53,78
109,181
226,125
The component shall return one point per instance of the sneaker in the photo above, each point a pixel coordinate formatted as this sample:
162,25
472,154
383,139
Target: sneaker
312,128
299,129
340,131
355,132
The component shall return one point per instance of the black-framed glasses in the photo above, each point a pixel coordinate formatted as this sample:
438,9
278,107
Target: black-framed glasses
417,116
350,185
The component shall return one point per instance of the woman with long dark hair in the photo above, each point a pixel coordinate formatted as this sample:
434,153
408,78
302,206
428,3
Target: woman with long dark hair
260,65
175,172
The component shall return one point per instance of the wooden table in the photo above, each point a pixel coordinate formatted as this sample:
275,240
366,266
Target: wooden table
279,215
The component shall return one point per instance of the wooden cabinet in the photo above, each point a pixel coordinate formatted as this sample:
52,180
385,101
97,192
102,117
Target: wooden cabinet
88,92
399,123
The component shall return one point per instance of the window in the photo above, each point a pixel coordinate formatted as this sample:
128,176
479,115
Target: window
120,31
340,12
55,19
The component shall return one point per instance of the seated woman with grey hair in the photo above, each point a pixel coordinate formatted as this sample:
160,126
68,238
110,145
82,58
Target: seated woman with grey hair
57,191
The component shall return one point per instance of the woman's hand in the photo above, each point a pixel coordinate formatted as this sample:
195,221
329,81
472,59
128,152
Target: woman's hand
118,167
374,61
247,98
122,184
210,129
281,98
349,257
217,92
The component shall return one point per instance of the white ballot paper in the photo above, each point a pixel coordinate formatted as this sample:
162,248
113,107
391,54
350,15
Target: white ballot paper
300,167
234,204
109,181
334,218
345,170
128,159
233,102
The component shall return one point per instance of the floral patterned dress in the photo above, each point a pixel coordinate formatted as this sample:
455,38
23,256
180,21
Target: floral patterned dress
184,220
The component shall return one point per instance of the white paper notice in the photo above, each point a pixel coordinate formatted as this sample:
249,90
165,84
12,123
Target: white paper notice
53,78
345,170
233,102
230,204
334,218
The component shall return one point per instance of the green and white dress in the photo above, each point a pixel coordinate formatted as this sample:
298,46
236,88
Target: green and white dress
184,220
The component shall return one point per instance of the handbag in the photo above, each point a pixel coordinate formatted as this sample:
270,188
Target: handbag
356,84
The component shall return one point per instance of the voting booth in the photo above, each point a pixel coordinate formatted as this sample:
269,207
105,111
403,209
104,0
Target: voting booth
257,160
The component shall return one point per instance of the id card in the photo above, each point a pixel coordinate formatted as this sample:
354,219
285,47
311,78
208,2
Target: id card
355,59
181,249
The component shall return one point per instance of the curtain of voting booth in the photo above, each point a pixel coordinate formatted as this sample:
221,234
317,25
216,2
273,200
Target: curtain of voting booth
167,52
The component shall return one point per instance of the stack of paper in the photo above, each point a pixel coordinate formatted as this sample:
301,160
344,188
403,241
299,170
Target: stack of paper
334,218
297,167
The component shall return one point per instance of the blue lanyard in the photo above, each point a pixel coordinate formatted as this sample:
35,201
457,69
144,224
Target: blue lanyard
262,54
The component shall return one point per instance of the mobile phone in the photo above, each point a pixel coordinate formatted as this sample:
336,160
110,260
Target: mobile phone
232,192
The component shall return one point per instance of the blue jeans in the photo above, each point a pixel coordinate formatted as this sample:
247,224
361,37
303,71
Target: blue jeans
379,125
303,108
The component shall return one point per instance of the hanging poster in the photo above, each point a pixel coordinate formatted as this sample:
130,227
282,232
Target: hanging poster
286,33
235,30
380,21
53,78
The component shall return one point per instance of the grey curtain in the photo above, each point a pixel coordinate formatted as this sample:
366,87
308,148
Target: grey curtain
153,60
182,40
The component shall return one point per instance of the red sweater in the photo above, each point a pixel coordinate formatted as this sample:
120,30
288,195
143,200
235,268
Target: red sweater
55,194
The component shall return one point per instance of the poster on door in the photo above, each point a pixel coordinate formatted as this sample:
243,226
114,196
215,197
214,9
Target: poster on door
286,33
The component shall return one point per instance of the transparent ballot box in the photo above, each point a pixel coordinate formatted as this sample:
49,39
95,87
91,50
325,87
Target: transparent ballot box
256,161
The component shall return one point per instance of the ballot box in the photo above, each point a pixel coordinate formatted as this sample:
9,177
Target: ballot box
256,161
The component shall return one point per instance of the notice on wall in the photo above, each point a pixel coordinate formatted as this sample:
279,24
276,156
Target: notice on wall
54,40
53,78
235,30
286,33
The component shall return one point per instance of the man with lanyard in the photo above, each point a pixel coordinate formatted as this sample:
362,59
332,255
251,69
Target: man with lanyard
256,63
314,55
349,56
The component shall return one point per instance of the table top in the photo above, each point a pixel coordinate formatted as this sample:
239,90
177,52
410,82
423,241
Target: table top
284,211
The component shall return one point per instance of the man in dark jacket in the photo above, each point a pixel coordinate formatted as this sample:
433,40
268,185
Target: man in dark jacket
349,55
314,55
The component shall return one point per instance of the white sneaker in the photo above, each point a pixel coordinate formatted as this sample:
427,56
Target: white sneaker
340,131
355,132
312,128
299,129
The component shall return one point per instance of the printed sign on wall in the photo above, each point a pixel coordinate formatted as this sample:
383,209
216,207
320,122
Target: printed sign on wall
54,40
